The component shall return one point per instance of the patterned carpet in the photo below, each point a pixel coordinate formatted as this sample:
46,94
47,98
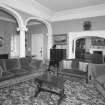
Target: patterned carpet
77,93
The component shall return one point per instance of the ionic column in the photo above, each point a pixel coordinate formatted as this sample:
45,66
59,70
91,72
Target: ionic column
22,41
50,41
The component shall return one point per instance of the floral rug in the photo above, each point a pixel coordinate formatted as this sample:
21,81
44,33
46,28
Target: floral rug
77,93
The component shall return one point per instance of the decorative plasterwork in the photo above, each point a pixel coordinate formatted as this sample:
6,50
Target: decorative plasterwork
14,13
30,7
34,8
91,11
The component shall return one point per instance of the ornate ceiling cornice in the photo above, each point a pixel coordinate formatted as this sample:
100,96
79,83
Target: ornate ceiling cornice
34,8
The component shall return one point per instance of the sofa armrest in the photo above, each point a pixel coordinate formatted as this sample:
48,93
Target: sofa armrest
96,70
60,66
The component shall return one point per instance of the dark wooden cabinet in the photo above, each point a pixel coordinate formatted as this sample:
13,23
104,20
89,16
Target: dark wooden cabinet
56,55
3,56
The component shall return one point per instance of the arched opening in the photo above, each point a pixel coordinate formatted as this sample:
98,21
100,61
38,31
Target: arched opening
38,36
90,48
87,46
9,22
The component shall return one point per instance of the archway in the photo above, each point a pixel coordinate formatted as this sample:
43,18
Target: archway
13,25
73,36
48,34
15,14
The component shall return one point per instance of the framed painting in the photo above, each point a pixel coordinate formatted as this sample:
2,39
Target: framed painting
96,41
60,39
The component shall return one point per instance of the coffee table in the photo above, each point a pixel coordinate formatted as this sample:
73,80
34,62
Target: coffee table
51,82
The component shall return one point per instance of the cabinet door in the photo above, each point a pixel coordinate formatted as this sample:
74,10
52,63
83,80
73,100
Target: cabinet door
57,54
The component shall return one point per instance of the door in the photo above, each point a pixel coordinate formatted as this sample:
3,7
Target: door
37,46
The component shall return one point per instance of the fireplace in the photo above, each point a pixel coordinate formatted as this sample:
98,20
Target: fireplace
97,57
98,52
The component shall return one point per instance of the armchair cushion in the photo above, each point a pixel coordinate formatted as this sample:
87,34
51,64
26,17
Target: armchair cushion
6,75
67,64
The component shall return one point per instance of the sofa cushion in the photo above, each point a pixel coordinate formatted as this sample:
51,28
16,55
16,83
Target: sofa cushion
36,64
25,61
19,72
12,64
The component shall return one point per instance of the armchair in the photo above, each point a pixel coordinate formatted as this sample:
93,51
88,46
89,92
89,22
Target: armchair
74,68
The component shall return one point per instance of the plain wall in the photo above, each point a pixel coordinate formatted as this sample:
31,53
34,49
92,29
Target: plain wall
61,27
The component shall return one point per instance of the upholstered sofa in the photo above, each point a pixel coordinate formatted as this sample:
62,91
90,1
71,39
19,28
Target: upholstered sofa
18,69
97,76
74,67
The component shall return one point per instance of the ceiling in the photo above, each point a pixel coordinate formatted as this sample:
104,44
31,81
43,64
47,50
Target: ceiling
58,10
62,5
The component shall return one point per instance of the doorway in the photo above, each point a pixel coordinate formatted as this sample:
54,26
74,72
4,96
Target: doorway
37,46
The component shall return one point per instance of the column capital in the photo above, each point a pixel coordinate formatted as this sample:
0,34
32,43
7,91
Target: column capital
21,28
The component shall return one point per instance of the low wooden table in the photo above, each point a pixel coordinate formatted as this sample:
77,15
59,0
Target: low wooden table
51,82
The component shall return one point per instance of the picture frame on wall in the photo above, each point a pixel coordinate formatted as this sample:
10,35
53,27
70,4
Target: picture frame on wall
60,39
98,41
